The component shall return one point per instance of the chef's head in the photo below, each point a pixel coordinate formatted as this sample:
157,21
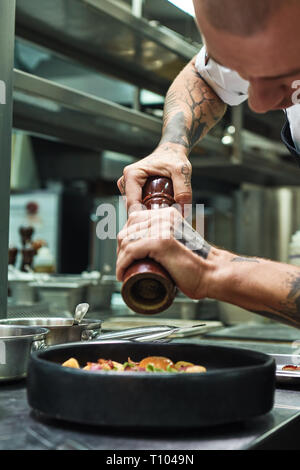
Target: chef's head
260,39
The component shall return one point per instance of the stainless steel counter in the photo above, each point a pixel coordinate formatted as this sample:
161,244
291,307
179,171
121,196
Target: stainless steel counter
22,429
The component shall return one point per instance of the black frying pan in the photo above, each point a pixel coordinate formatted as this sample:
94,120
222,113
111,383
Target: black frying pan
239,384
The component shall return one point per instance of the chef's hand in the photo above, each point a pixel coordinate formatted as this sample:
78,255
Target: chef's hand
167,160
166,237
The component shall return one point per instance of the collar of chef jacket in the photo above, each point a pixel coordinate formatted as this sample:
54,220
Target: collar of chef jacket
233,90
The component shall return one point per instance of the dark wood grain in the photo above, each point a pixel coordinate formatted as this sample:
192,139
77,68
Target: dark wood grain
147,286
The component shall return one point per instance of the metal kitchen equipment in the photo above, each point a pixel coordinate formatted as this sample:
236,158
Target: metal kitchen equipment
99,292
61,330
63,295
80,312
22,292
16,344
146,333
238,385
288,377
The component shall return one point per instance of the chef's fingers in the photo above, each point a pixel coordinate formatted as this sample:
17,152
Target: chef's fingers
153,219
133,231
166,213
134,179
162,229
138,249
166,164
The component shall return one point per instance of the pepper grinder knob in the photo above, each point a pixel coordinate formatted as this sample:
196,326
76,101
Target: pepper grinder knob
147,287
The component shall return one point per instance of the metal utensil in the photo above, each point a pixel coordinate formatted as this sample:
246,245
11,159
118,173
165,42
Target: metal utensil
61,329
16,344
143,333
80,312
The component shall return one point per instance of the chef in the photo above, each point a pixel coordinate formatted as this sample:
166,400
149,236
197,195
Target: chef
251,51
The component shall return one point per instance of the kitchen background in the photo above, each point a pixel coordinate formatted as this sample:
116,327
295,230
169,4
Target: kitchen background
89,83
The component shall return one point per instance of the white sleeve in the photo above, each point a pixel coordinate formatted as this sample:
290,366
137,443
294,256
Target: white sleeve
227,84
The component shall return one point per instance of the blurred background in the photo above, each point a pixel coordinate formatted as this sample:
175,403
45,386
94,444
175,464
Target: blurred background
89,82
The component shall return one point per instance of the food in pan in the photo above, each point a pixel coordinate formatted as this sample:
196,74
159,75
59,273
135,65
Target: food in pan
291,367
148,364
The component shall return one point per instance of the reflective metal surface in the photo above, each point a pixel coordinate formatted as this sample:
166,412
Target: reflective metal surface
61,330
16,344
45,108
11,332
106,35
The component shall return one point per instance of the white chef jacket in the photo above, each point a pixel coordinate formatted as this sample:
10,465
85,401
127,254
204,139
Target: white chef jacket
233,90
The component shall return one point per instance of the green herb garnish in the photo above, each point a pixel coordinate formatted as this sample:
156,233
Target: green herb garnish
151,368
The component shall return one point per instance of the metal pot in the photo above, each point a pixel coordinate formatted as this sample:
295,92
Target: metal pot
61,330
16,344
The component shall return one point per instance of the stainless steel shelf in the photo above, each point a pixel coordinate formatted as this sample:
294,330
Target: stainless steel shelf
106,36
252,168
47,109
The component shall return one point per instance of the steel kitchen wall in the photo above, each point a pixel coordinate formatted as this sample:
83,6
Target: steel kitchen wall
265,219
7,31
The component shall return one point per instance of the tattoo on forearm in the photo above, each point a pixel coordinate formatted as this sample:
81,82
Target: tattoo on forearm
191,239
288,310
201,111
240,259
175,131
291,306
204,251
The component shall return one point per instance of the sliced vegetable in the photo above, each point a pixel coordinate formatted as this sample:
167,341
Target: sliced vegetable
157,361
73,363
148,364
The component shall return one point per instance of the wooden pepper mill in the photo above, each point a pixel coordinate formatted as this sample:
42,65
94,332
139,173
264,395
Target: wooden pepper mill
147,286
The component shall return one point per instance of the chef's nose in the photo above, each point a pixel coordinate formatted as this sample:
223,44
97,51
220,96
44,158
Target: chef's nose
265,95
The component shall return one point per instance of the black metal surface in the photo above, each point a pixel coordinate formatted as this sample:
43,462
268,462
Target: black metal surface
238,385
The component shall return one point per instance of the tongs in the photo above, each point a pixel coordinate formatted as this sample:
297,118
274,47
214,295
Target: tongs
146,333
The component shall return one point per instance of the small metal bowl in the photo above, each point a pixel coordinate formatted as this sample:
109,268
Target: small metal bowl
16,344
61,330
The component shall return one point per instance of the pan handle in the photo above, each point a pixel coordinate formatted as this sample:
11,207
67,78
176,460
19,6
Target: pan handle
38,345
141,334
130,333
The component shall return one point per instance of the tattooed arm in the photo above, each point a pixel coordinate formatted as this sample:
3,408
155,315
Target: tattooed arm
265,287
191,109
262,286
